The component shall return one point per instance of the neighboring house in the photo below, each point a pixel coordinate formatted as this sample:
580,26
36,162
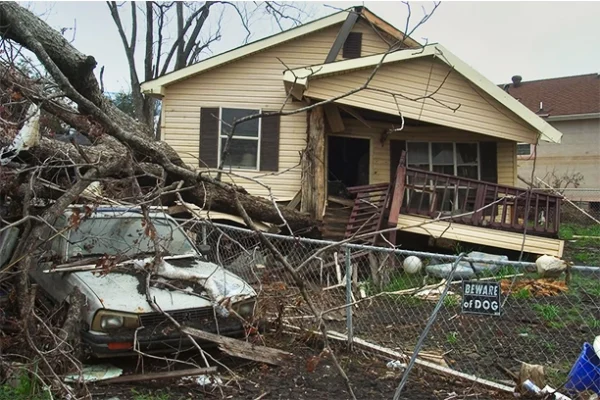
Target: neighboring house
571,104
423,102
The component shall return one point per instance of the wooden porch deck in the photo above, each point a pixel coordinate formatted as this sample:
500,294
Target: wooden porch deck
462,209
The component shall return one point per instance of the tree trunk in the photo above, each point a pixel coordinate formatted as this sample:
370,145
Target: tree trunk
313,166
73,72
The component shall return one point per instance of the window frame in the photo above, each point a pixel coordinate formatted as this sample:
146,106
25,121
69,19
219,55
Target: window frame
258,138
454,161
527,156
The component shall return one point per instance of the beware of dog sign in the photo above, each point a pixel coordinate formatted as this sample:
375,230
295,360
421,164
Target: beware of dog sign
481,298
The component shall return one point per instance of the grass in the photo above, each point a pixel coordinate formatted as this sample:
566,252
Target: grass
157,395
451,301
581,250
23,388
593,323
558,376
588,285
452,338
568,231
522,294
548,312
403,282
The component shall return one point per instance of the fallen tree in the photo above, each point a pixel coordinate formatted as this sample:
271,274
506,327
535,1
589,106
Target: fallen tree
73,73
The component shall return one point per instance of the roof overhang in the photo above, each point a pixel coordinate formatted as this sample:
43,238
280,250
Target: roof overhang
573,117
156,87
296,81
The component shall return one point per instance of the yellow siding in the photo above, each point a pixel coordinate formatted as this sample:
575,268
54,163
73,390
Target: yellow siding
252,82
478,235
380,153
507,162
415,79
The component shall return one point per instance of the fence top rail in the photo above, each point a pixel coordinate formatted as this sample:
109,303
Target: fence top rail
403,252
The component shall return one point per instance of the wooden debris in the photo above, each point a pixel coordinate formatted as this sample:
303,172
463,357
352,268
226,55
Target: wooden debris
159,375
404,357
241,349
536,287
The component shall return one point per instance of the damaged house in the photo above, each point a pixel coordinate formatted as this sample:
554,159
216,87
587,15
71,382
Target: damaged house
413,138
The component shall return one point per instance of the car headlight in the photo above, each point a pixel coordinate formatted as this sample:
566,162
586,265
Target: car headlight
245,309
106,320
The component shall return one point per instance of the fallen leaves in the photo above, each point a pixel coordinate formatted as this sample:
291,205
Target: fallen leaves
535,287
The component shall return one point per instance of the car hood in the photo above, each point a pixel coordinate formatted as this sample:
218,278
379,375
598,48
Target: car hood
179,284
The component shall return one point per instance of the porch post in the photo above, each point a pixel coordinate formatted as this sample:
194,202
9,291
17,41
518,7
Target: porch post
313,165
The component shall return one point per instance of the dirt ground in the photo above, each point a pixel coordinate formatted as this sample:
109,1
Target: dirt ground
370,378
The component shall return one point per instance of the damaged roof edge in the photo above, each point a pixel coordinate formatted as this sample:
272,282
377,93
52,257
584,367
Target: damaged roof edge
156,87
297,79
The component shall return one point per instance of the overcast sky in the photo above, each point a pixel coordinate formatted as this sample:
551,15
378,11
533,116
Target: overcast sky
499,39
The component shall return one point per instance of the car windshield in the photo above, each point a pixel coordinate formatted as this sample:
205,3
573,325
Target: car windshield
126,237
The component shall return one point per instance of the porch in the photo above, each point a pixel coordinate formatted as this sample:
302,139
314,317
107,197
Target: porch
460,209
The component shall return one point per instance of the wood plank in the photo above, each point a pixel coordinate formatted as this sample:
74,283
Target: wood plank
339,200
334,118
387,28
398,195
479,235
341,37
241,349
159,375
296,200
403,356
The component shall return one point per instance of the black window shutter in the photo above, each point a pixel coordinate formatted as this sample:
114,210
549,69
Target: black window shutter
353,45
209,137
489,161
269,143
396,148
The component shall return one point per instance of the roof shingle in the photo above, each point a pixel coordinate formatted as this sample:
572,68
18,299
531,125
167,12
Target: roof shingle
568,95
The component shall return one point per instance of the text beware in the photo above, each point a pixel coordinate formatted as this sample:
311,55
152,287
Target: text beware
481,298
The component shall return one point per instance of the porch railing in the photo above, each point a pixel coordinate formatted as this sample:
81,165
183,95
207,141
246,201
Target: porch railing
473,202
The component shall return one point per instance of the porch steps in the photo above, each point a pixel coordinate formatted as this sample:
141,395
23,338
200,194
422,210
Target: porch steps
368,212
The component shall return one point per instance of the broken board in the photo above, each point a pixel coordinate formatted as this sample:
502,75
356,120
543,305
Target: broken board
241,349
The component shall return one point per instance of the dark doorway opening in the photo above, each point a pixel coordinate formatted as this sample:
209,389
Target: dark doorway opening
347,164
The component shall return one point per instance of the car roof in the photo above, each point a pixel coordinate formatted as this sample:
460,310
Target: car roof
119,211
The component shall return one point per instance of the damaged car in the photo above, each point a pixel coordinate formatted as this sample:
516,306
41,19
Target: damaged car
132,273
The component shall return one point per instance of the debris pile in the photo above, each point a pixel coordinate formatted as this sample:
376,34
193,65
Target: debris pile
542,287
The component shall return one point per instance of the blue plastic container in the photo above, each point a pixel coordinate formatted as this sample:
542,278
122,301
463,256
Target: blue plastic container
585,374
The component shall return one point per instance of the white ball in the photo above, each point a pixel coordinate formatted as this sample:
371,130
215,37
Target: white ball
412,264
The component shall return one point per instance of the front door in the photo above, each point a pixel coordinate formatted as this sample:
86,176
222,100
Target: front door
348,163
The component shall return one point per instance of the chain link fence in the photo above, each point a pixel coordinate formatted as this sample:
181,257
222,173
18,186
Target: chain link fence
586,200
386,297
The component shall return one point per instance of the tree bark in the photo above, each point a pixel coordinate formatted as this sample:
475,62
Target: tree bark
313,166
73,72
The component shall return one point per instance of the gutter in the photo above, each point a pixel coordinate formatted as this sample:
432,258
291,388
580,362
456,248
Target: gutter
573,117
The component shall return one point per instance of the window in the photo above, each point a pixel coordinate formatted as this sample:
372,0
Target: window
125,237
244,146
459,159
523,149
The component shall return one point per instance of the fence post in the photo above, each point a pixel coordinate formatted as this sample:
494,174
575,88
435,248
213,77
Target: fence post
349,298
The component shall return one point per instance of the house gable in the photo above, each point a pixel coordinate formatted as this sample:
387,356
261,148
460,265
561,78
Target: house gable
254,82
432,85
384,31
